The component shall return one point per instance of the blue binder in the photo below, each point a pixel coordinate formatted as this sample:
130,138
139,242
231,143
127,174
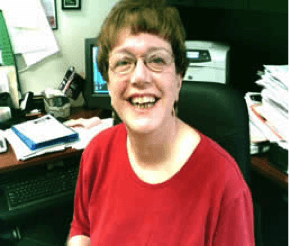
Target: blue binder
19,130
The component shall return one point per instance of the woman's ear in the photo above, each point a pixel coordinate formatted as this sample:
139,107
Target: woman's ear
179,80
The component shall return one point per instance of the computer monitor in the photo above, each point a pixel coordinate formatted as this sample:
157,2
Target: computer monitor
95,90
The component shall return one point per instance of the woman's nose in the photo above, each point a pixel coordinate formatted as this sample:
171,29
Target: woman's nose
141,73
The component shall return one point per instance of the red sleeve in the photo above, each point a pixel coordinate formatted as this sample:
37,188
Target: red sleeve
235,224
89,167
80,223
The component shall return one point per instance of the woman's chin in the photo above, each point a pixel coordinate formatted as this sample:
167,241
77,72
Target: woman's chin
142,125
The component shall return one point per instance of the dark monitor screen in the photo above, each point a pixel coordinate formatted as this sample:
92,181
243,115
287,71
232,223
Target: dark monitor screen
95,91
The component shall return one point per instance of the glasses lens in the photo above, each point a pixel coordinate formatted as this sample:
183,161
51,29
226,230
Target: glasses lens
120,63
155,61
158,61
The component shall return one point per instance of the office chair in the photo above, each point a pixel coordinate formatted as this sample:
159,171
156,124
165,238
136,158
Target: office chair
220,112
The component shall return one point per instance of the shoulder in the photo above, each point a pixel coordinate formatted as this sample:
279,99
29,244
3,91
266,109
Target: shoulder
220,159
105,140
220,169
101,149
106,136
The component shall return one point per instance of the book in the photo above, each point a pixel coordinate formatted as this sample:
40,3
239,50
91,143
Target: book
44,132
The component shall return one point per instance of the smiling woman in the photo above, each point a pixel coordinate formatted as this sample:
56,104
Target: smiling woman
141,81
151,180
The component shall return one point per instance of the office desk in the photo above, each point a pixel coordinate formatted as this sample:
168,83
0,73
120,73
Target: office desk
269,188
10,162
261,165
11,168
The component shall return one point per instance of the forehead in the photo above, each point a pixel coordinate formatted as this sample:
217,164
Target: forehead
139,43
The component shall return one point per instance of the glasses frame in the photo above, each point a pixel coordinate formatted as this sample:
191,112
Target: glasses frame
144,59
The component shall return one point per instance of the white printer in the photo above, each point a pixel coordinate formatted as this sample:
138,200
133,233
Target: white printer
208,61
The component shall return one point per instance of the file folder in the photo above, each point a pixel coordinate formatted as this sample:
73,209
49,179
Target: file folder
6,47
44,132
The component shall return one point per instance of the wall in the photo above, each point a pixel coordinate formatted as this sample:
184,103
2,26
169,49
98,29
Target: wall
73,27
257,37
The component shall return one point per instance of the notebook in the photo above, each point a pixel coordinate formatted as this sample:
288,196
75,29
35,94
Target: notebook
44,132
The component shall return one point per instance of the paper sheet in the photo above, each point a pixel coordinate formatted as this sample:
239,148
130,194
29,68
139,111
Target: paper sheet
48,7
269,118
9,72
22,152
21,13
29,30
43,129
26,40
280,72
4,81
86,135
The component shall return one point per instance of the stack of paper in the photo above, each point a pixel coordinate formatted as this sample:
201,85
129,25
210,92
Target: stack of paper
269,114
86,135
30,33
23,152
39,136
260,133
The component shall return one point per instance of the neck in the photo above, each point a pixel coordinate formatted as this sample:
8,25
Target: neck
154,149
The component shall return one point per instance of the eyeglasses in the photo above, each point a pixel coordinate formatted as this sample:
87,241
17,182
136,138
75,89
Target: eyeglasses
124,63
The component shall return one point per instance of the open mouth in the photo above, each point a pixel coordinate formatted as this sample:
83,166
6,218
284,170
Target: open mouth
145,102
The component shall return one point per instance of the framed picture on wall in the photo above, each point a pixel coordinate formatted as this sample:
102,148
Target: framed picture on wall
50,11
71,4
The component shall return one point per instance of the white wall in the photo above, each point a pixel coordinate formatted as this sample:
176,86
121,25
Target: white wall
73,27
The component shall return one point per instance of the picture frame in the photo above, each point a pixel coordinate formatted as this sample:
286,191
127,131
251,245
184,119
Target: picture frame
71,4
50,12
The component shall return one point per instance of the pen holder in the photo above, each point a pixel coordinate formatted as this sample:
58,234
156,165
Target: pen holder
58,106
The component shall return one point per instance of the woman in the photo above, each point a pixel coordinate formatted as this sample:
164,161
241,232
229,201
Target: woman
152,180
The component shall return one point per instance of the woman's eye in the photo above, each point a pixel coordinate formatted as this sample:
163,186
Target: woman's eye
122,63
157,60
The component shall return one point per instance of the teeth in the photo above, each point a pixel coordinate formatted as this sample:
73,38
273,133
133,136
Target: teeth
142,100
144,106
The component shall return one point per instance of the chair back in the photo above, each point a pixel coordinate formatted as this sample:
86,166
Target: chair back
220,112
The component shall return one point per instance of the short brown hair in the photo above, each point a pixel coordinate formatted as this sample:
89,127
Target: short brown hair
143,16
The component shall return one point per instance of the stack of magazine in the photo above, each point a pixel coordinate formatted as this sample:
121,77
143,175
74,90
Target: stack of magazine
274,110
39,136
268,110
274,81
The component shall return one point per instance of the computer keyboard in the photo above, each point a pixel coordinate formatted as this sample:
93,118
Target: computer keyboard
52,185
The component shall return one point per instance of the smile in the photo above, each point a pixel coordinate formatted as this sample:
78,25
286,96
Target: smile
144,102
